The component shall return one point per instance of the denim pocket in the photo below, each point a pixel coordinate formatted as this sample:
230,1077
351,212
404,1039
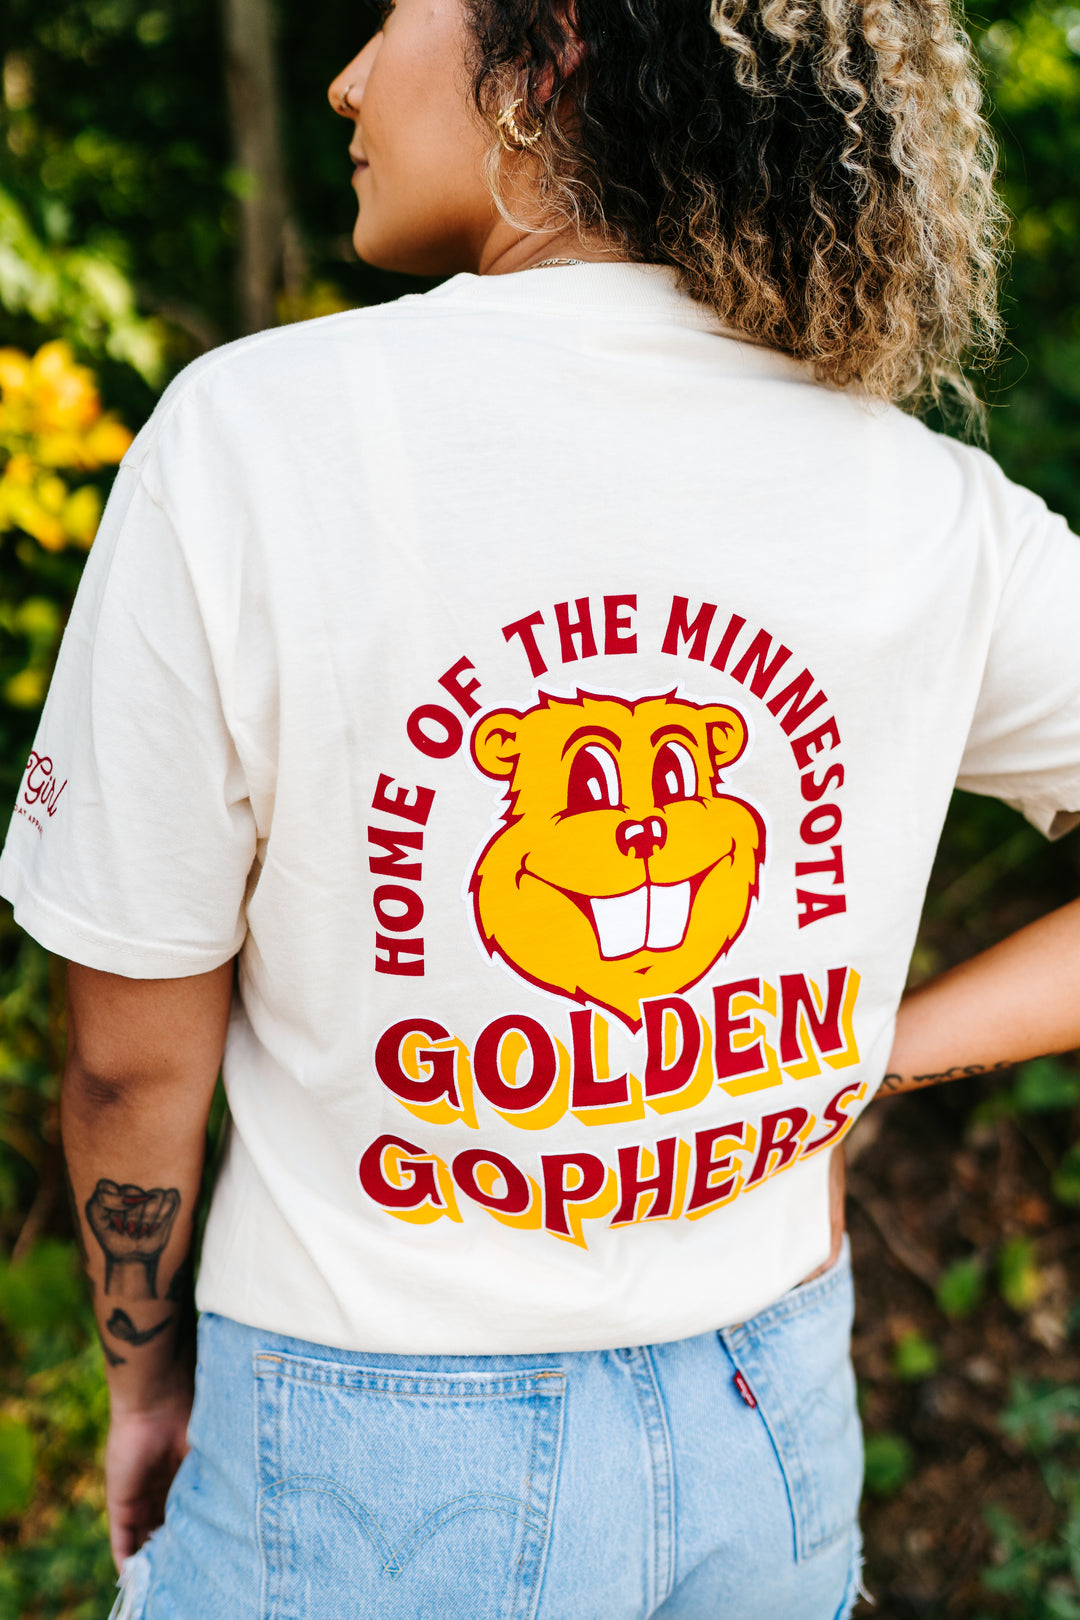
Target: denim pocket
386,1494
796,1360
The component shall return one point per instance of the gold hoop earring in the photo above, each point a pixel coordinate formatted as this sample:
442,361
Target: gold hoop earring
513,138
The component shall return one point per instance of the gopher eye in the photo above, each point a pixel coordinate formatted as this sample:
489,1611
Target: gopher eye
594,782
674,775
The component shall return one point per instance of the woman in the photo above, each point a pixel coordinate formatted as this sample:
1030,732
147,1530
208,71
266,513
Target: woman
514,725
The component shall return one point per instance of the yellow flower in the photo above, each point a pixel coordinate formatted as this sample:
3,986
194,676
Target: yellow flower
26,690
108,441
14,370
64,394
50,419
82,514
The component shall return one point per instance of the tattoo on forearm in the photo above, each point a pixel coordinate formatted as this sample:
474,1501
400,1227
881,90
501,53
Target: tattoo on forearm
110,1354
960,1071
121,1326
132,1225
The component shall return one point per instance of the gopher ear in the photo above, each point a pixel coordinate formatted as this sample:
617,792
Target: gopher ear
727,735
495,746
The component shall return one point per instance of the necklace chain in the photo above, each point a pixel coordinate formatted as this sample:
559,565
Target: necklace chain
546,263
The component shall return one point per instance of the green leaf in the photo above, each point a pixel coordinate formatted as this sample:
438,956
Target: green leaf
889,1462
1066,1180
1019,1278
1038,1416
43,1303
915,1357
16,1466
960,1288
1044,1085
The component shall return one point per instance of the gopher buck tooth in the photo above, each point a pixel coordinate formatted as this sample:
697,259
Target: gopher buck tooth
621,922
669,913
656,915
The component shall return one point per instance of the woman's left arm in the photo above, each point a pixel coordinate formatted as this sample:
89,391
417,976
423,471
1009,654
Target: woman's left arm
1017,1000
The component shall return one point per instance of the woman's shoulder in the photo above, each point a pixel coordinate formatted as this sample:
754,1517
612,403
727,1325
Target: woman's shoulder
282,370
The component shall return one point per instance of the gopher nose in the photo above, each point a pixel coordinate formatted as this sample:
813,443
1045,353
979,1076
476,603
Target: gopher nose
641,838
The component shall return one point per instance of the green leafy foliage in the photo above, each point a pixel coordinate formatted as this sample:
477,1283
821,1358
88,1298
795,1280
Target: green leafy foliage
43,1304
889,1461
914,1356
1038,1576
16,1465
1044,1085
1019,1278
960,1288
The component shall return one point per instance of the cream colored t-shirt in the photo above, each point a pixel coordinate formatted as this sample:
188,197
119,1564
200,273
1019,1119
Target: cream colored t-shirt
555,702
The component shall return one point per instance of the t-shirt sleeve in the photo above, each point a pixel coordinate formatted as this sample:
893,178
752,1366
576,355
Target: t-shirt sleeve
1024,742
132,836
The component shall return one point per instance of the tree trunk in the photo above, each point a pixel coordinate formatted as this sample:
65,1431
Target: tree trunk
254,107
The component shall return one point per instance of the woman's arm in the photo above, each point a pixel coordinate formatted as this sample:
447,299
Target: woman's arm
1015,1001
143,1057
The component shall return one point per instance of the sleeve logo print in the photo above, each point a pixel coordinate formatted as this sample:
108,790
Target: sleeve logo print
41,790
621,869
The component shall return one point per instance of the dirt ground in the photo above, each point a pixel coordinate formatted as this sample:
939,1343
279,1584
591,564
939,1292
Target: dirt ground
933,1180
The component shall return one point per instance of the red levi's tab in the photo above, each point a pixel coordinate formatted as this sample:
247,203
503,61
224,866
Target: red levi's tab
744,1390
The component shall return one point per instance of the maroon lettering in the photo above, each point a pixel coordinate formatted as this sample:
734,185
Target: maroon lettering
389,896
703,1190
557,1193
813,790
525,630
580,627
443,1063
516,1197
756,658
405,957
785,1147
794,698
423,1188
834,867
731,1060
395,863
660,1081
490,1079
727,641
586,1090
633,1185
795,996
836,1117
696,633
413,804
461,691
814,742
618,636
429,742
819,825
813,907
41,785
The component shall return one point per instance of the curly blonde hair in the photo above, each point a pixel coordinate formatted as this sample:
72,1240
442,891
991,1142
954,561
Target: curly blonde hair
817,171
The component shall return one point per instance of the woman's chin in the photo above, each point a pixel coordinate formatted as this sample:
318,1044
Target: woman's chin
408,258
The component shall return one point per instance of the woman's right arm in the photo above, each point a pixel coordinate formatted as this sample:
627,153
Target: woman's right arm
143,1058
1017,1000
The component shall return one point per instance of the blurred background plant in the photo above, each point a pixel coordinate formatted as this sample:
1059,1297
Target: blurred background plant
171,177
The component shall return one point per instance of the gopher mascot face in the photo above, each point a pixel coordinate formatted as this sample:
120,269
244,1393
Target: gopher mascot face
621,870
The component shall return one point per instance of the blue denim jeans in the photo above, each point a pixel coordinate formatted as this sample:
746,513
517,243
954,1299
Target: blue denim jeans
712,1478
